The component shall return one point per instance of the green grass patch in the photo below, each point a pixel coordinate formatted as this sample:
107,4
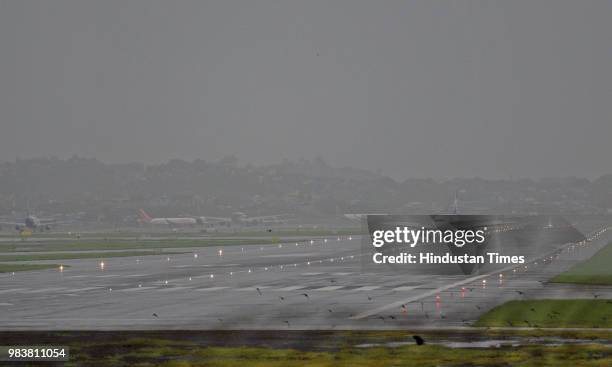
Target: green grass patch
596,270
294,232
130,245
197,348
190,355
80,255
579,313
9,268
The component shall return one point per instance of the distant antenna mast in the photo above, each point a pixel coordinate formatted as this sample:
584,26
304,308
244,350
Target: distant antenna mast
455,204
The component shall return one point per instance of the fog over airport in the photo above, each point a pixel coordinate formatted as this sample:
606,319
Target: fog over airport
495,89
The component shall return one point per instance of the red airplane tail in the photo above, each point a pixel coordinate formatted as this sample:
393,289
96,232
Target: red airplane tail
143,216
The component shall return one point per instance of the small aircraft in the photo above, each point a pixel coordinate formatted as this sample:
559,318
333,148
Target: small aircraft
33,223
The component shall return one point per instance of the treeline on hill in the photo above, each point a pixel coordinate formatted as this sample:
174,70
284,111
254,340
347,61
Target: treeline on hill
303,187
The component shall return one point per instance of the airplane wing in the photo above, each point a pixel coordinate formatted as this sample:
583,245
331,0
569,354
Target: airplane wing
11,223
215,219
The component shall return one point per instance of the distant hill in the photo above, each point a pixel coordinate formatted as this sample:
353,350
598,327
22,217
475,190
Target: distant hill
309,188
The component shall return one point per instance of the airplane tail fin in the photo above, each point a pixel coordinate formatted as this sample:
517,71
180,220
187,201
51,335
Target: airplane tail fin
143,216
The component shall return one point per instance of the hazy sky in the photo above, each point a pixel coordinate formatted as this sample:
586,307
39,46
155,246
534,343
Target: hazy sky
416,88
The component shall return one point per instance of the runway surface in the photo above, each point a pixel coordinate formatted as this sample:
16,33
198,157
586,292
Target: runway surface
315,284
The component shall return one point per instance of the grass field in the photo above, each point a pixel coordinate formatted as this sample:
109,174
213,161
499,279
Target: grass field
596,270
9,268
128,245
79,255
583,313
296,232
314,348
147,352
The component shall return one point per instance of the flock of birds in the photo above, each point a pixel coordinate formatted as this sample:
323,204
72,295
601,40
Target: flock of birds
404,308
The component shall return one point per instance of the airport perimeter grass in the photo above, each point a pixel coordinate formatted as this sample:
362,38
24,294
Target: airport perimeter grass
129,245
294,232
80,255
571,313
10,268
148,352
596,270
302,348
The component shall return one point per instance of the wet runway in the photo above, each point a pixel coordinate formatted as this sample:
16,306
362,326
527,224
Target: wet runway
314,284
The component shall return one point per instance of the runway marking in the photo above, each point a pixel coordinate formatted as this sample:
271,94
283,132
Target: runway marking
329,288
367,288
209,289
6,304
289,255
13,290
397,304
44,290
292,288
341,274
107,276
136,289
254,288
137,275
82,289
172,289
405,288
311,274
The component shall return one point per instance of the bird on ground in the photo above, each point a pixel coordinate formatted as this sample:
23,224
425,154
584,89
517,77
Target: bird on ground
287,322
520,292
305,295
154,314
369,298
418,340
281,298
258,291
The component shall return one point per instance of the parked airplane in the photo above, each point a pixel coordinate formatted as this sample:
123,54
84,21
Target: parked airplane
32,223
